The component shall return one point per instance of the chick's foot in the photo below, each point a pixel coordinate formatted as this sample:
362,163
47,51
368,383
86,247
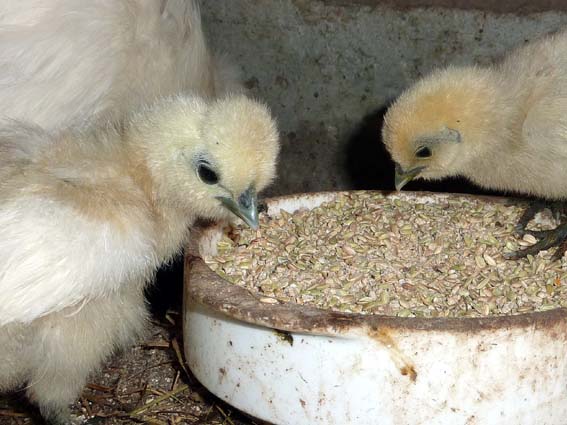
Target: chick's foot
528,215
549,239
61,417
558,209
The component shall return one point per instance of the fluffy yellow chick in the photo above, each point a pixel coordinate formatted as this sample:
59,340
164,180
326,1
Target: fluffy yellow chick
503,127
86,218
66,60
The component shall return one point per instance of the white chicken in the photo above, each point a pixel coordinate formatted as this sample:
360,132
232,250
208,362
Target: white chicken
88,215
64,60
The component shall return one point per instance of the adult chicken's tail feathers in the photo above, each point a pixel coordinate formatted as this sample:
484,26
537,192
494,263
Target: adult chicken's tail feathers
186,15
221,75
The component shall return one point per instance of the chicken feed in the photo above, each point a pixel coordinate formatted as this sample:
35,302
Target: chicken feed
399,255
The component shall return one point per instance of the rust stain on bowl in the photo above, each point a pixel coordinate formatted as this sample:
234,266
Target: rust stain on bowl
384,337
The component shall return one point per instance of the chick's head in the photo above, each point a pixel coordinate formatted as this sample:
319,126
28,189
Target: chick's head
437,126
212,158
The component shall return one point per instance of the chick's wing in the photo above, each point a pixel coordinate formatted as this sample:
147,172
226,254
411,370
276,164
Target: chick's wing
52,258
69,231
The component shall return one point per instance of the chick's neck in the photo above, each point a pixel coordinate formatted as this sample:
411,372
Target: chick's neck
497,164
172,222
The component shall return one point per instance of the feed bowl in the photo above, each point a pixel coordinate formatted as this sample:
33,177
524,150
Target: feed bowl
294,364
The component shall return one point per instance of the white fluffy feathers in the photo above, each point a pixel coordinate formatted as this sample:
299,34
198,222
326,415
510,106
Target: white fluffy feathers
511,121
87,212
88,215
65,60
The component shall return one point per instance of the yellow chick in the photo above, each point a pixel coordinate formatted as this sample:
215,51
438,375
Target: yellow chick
68,60
503,127
87,216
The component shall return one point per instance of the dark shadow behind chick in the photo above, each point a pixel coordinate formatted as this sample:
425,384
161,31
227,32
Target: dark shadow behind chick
166,293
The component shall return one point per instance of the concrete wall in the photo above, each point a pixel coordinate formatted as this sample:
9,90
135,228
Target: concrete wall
328,69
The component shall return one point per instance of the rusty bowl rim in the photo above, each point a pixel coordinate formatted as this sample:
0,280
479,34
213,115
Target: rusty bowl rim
203,286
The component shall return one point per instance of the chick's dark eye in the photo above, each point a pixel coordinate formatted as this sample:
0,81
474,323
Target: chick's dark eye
207,174
423,152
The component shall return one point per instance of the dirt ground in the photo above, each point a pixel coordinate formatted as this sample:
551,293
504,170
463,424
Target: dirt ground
149,383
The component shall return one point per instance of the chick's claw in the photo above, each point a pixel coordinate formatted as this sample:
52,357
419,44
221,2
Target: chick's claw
551,238
539,234
528,215
558,210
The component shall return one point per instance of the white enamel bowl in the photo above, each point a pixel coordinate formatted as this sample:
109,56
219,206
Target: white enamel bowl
297,365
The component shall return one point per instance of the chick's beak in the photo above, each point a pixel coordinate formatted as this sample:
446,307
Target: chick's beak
245,207
404,177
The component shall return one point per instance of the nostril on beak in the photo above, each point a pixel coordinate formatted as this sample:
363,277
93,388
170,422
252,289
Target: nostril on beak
245,200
